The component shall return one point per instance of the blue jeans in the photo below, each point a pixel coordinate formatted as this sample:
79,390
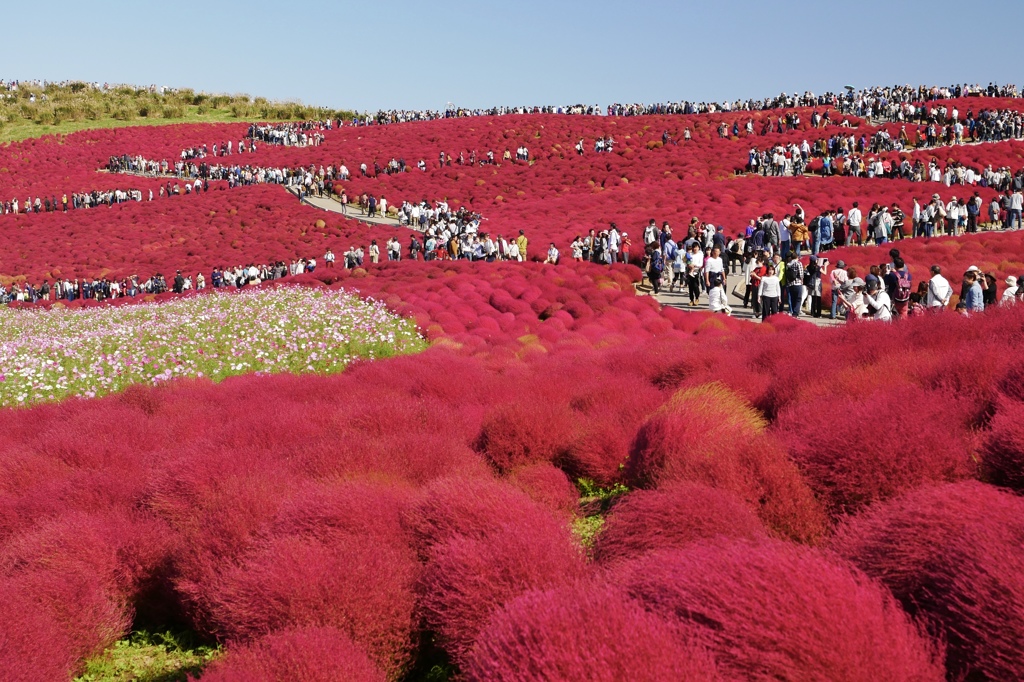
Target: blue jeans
835,304
1014,219
796,297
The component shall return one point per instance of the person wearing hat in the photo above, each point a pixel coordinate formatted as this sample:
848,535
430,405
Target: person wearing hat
1010,293
838,279
879,305
852,299
974,296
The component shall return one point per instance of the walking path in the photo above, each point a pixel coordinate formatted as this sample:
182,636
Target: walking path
681,300
323,203
352,211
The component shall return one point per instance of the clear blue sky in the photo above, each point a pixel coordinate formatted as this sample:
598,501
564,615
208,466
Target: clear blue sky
422,54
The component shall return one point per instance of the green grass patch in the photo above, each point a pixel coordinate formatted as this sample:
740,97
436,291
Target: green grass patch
23,129
32,111
150,657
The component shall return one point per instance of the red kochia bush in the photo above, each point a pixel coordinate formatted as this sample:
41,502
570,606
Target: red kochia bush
709,435
307,654
354,583
855,449
591,633
467,579
776,611
672,517
548,485
450,508
953,554
1003,448
33,646
526,430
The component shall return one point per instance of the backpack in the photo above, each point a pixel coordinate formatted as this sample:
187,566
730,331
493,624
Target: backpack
902,286
793,274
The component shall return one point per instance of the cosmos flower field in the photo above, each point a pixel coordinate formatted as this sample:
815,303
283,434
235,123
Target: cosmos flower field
497,471
53,354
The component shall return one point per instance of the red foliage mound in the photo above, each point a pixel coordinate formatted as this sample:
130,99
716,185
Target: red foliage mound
1003,448
33,646
474,508
711,436
863,448
774,611
351,583
954,555
547,485
307,654
672,517
466,579
526,430
590,633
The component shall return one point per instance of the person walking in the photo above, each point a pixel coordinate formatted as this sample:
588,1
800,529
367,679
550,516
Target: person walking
769,291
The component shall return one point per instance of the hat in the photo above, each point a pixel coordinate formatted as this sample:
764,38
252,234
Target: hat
873,285
973,268
857,282
841,264
1011,281
935,196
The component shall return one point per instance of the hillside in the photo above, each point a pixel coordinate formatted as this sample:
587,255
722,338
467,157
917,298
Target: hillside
31,110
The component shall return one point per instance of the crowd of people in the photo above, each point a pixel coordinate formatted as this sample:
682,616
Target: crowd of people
843,152
446,235
768,260
885,101
301,134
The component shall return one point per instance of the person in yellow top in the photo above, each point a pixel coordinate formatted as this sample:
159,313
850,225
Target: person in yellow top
521,242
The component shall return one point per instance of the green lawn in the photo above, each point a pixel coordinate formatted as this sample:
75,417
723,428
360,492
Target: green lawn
146,657
23,129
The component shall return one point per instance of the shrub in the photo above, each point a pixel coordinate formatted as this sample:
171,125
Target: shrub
709,435
590,633
88,612
353,583
33,647
308,654
672,517
864,448
547,485
525,430
1002,452
467,579
772,611
953,555
475,508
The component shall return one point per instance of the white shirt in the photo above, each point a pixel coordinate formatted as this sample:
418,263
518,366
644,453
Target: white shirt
855,217
879,305
939,292
769,287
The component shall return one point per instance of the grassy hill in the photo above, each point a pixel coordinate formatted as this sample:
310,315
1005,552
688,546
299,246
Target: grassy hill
33,110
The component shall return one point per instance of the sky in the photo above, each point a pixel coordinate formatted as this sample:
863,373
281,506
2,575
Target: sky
425,54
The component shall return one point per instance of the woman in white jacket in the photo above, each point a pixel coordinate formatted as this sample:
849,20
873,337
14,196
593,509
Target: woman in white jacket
878,303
